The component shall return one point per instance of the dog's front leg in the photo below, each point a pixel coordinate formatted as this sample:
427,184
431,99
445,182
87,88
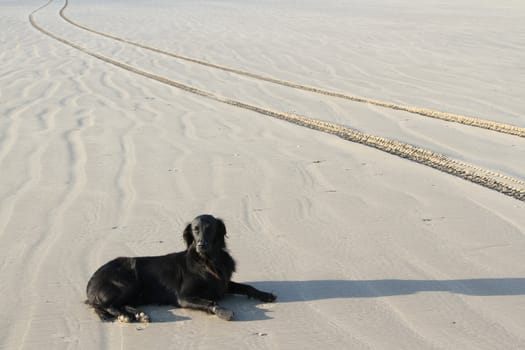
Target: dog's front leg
251,292
208,306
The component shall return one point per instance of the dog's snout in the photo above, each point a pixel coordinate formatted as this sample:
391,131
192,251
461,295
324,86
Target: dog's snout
202,246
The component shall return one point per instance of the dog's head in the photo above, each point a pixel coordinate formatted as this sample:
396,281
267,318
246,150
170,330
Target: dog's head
206,233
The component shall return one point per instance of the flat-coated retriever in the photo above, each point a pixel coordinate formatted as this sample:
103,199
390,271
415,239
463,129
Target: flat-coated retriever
195,278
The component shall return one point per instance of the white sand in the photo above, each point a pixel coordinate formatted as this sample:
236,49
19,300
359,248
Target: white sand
364,249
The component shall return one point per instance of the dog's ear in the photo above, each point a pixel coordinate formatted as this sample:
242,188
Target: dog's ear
188,236
221,233
221,228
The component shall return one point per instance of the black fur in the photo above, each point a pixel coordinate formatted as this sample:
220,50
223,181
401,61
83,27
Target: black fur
195,278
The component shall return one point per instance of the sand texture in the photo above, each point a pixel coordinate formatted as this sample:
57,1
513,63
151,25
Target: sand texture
366,157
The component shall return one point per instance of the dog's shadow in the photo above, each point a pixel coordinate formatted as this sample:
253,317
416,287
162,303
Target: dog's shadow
299,291
295,291
161,313
244,310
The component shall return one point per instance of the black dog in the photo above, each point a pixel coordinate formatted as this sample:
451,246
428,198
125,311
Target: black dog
195,278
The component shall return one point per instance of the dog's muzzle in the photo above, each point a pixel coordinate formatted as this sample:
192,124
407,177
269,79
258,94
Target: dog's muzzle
202,246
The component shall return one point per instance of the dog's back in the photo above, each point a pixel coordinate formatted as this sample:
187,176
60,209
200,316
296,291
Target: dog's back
135,281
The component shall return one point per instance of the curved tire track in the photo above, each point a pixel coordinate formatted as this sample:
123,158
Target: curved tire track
426,112
502,183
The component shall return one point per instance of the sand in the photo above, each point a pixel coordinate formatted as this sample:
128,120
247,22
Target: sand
364,248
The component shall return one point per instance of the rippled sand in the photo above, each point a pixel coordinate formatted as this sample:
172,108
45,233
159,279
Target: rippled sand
364,249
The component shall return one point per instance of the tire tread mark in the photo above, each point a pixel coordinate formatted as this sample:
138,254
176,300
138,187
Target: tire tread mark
426,112
490,179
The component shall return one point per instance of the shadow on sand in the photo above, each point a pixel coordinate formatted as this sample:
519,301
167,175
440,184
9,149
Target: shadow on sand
293,291
162,313
297,291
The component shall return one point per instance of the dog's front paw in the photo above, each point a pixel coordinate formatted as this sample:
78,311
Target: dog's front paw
223,314
267,297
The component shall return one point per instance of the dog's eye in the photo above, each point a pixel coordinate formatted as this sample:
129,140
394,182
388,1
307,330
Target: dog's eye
196,228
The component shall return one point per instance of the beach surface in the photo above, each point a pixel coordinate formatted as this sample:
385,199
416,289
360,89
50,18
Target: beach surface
376,227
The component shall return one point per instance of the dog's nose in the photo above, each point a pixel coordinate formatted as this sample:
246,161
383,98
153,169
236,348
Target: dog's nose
202,243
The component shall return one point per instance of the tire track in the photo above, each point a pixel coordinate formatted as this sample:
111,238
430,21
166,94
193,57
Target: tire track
490,179
426,112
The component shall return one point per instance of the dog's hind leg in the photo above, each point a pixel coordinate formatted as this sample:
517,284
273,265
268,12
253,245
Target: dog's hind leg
139,315
121,315
112,313
118,313
104,314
